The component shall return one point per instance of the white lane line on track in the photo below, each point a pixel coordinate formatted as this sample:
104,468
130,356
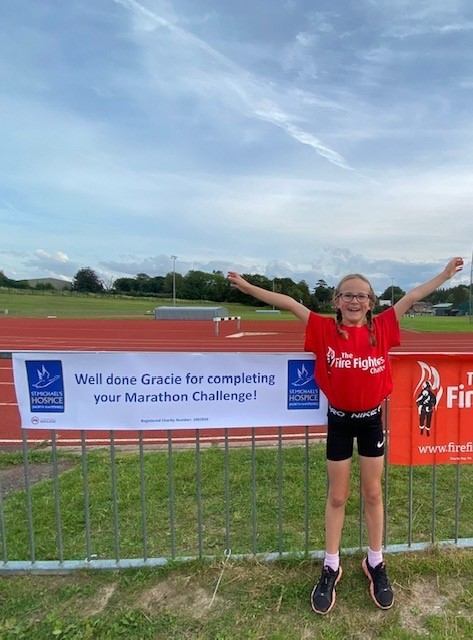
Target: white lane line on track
252,333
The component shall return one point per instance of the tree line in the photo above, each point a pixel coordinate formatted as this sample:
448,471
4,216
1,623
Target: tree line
194,285
200,285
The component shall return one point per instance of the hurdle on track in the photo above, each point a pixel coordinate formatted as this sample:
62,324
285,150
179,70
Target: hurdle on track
218,320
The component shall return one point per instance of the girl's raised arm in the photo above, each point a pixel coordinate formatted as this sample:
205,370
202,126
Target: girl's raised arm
270,297
418,293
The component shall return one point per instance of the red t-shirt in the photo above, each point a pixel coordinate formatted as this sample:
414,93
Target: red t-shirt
354,375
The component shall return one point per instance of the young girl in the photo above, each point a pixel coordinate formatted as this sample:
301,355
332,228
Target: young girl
352,369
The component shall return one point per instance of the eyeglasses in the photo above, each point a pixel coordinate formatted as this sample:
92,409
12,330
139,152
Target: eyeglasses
348,297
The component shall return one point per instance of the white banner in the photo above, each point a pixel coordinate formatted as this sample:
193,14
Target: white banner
154,391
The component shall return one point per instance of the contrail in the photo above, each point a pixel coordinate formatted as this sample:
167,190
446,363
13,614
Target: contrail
244,84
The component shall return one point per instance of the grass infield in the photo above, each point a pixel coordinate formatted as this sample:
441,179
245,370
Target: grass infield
41,304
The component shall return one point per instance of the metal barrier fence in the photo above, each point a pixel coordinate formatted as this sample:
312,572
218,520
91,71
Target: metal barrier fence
142,507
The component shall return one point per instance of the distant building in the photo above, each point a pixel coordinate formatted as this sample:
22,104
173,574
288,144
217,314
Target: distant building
422,308
445,309
384,303
57,283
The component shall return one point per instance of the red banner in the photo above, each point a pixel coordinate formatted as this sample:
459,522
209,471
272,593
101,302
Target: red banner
431,409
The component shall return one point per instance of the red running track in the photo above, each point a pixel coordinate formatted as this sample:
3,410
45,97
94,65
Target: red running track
53,334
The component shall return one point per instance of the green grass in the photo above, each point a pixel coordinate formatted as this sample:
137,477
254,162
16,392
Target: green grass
441,324
279,519
434,589
433,598
40,304
30,304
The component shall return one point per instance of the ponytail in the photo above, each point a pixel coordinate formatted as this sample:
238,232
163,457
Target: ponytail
341,331
369,324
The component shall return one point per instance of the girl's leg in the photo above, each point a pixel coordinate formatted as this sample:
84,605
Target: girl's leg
338,492
373,566
371,470
339,444
323,594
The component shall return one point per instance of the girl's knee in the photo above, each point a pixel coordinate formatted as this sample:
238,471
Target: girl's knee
337,500
372,494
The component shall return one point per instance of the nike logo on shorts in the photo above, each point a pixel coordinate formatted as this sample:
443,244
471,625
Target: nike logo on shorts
380,444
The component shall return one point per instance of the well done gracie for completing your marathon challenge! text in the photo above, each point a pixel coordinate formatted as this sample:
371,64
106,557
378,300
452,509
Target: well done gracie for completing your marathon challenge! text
171,380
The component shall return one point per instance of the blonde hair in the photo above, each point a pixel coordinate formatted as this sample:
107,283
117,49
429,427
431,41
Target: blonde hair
369,314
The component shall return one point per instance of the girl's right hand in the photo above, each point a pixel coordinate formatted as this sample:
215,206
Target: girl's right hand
237,282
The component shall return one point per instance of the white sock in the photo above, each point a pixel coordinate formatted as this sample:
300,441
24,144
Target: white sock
374,557
332,560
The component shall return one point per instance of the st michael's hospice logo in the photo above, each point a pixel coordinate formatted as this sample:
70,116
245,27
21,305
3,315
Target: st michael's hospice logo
302,390
45,386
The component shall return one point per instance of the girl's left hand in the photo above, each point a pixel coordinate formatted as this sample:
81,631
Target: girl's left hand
454,266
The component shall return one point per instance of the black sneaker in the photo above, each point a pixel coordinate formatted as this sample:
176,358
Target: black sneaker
380,587
322,597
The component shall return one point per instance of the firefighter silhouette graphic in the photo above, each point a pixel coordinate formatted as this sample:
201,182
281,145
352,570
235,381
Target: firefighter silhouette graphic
426,401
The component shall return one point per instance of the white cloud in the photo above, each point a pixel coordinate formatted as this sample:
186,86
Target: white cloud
270,137
58,256
49,264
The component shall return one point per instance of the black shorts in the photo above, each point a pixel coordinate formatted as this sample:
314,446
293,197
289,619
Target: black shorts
345,426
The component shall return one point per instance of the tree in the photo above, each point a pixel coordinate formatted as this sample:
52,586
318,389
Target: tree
156,284
392,292
460,294
195,285
108,283
323,295
302,293
124,285
5,281
44,286
87,281
168,284
218,287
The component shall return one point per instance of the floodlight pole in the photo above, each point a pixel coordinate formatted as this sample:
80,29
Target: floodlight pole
392,292
173,258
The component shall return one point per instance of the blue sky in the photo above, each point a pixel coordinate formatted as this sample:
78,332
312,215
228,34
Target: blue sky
290,138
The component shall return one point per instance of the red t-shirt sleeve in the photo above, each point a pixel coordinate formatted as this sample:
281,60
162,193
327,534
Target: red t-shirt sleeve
389,326
314,332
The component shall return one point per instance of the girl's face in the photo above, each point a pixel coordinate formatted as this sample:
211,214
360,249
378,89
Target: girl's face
354,301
